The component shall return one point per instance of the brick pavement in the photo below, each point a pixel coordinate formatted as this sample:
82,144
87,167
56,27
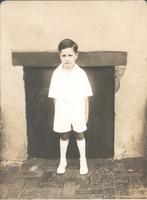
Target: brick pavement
107,179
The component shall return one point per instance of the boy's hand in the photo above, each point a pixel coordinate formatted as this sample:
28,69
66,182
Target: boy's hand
86,109
86,118
55,101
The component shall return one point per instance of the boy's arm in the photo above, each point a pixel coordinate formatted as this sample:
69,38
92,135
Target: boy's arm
54,101
86,109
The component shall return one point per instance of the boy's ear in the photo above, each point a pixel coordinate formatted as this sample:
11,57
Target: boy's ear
77,55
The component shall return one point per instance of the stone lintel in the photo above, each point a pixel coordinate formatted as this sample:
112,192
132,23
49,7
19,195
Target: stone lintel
85,59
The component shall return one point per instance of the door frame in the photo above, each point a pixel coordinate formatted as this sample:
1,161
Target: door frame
86,59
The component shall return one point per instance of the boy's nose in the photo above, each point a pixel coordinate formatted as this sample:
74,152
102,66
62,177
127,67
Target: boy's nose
67,58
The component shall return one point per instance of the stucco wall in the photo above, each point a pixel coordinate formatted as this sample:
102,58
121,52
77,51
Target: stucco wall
95,25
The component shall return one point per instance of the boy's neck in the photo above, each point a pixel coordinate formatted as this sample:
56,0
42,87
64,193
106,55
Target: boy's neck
68,69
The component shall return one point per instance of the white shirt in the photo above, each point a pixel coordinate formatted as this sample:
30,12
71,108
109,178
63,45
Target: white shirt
69,88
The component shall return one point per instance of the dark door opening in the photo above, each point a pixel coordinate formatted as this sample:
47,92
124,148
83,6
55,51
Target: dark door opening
42,141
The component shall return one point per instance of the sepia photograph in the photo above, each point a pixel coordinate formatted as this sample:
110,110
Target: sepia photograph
73,99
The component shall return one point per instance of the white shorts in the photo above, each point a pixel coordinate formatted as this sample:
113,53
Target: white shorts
69,115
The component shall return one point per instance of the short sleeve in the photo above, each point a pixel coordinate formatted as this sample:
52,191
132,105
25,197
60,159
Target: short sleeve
53,88
87,90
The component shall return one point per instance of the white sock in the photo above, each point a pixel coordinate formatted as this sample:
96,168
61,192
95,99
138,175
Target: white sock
63,149
63,162
81,146
83,162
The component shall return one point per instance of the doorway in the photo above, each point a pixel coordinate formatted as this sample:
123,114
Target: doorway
42,141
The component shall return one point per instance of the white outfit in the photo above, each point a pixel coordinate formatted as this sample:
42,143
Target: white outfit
69,88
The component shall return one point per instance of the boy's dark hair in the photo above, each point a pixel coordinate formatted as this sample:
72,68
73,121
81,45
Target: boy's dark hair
68,43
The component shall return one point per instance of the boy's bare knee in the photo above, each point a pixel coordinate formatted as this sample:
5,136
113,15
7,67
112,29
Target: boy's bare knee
64,136
79,136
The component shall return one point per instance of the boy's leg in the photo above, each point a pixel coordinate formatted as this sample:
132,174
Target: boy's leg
64,139
81,143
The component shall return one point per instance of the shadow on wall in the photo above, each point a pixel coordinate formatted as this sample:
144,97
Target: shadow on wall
145,131
145,148
0,134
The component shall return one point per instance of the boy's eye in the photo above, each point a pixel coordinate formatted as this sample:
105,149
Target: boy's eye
70,55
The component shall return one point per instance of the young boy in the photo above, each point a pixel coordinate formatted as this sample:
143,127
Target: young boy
70,89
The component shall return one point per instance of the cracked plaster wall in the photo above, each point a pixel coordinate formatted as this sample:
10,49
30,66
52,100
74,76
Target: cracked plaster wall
95,25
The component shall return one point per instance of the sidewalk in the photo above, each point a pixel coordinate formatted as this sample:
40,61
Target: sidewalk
107,179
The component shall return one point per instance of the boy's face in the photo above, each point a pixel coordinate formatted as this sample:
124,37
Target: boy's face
68,58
